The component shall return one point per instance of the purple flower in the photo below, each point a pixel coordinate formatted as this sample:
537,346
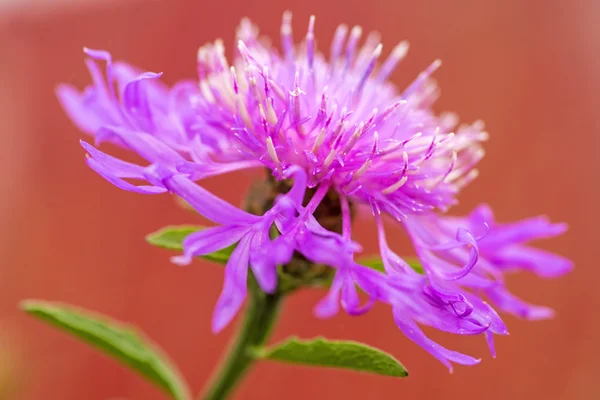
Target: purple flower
330,125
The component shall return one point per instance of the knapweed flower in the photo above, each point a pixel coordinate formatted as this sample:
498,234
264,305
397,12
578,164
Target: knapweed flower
334,134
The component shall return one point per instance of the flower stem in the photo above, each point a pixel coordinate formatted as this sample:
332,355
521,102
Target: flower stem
262,312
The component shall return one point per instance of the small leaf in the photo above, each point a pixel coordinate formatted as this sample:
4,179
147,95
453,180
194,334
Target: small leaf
115,339
376,262
171,237
337,354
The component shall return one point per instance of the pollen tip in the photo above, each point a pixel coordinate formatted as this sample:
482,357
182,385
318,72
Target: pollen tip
356,30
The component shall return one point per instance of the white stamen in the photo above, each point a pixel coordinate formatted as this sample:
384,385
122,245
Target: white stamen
329,159
273,154
392,188
271,116
361,171
319,141
354,138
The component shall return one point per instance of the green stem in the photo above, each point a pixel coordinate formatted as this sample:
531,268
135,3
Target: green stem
255,330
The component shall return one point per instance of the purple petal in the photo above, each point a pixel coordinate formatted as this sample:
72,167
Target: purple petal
234,288
414,333
144,144
330,304
108,174
208,241
543,263
507,302
118,167
199,171
135,100
82,115
263,261
207,204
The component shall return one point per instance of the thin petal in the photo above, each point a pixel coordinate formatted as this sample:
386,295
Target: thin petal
120,183
234,288
509,303
120,168
543,263
144,144
82,115
208,241
207,204
330,304
414,333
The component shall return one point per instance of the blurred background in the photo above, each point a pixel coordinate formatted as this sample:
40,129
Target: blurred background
528,68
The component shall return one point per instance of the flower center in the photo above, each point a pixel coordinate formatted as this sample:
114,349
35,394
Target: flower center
261,198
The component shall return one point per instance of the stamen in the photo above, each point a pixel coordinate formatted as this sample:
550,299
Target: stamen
240,103
278,91
234,80
375,143
220,53
422,78
355,35
329,159
346,217
263,119
392,188
310,42
295,99
319,141
376,54
391,109
265,76
373,39
271,116
273,154
361,171
354,138
202,62
287,41
392,61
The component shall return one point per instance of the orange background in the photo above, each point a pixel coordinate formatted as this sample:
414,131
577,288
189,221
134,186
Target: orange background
528,68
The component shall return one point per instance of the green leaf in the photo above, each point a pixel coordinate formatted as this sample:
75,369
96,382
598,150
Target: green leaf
171,237
376,262
115,339
336,354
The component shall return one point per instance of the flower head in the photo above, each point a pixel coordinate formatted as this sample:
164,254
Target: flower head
330,125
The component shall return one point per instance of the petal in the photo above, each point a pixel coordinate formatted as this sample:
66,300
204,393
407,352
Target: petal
199,171
330,304
120,168
408,326
135,100
109,175
263,261
509,303
543,263
144,144
463,237
523,231
208,241
207,204
82,115
235,286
